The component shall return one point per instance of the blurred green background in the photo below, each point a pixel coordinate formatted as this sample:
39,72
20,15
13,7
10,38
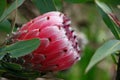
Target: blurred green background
89,26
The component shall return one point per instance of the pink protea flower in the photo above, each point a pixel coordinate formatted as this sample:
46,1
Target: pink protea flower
59,48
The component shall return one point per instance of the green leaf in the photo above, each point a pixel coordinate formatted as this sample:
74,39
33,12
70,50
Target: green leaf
21,48
44,5
17,70
5,26
29,74
105,50
11,8
2,6
105,11
11,66
111,2
58,4
78,1
104,7
2,70
2,52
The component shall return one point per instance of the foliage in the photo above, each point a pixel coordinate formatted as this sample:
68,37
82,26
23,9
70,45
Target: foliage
92,55
79,1
5,26
45,5
11,8
20,48
108,48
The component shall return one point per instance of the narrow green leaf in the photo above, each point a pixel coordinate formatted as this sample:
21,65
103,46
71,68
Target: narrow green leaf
104,7
44,5
17,70
11,8
2,52
2,70
29,74
111,2
5,26
105,11
2,6
78,1
105,50
21,48
58,4
25,74
11,66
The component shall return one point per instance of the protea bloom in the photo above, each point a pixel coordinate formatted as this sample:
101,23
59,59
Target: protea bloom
59,48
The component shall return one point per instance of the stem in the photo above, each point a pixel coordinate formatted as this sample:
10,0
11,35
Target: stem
118,70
